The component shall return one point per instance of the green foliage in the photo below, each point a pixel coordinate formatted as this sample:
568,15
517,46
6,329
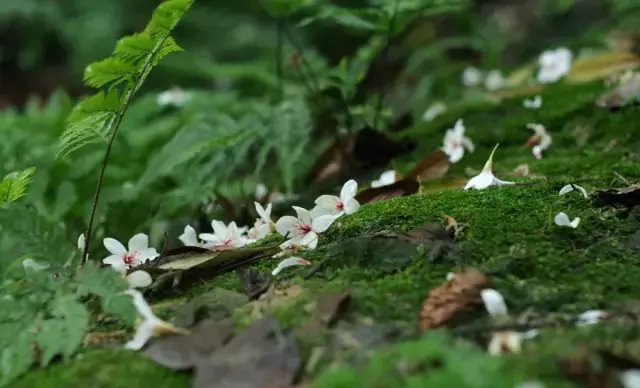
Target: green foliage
121,75
14,185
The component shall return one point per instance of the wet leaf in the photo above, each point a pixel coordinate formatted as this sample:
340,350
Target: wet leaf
433,166
254,283
627,196
460,293
262,356
601,66
218,303
401,188
182,352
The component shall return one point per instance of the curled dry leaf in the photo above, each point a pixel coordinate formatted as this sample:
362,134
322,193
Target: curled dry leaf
329,307
434,166
401,188
627,196
460,292
627,92
452,226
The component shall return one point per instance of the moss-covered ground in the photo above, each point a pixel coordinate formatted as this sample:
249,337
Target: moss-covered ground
543,270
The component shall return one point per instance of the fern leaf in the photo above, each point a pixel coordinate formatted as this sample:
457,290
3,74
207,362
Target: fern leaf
14,185
109,72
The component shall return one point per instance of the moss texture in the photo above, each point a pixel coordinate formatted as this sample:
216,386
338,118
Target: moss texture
509,233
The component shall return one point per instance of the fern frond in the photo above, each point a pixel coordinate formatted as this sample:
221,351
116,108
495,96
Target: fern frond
14,185
99,116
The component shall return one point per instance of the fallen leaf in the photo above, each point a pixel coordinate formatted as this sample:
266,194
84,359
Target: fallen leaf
214,258
583,369
332,162
186,351
275,296
459,293
217,303
262,356
434,166
254,283
328,307
95,339
452,225
627,196
401,188
624,94
601,66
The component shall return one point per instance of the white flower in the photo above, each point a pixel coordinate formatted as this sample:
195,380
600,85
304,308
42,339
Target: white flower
387,178
571,187
150,325
190,238
541,137
630,378
434,110
562,219
138,253
494,80
534,103
455,142
337,206
289,262
224,235
304,229
263,225
554,64
590,317
486,177
493,302
173,96
471,76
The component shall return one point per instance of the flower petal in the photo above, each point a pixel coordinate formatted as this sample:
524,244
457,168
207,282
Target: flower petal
210,237
309,240
141,305
480,181
262,231
138,242
34,265
147,254
322,223
144,332
326,204
81,242
565,189
349,190
139,279
455,154
189,238
114,246
286,225
351,205
468,144
114,261
303,215
289,262
220,229
493,302
590,317
562,219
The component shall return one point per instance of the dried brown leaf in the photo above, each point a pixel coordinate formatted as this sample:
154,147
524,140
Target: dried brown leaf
329,307
627,92
627,196
601,66
274,297
459,293
401,188
433,166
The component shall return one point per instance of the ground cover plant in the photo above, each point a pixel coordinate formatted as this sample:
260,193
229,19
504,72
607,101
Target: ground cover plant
412,205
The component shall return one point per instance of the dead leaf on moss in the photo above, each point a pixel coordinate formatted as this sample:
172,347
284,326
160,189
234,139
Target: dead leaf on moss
254,283
452,226
461,292
627,92
217,303
401,188
262,356
601,66
329,307
433,166
101,339
627,196
274,297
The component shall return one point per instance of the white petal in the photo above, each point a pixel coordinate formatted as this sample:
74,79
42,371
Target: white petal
480,181
570,187
450,275
322,223
303,215
351,205
493,302
260,210
349,190
326,204
498,182
141,305
220,229
261,191
189,238
147,254
81,242
630,378
115,261
139,279
310,240
291,261
263,231
561,219
467,143
590,317
455,154
286,225
576,221
566,189
138,242
210,237
318,211
144,332
114,246
537,151
34,265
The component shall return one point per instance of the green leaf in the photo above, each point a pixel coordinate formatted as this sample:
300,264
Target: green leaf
16,356
108,285
14,185
109,72
66,197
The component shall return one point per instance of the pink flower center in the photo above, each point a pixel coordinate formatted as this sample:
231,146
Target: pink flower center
129,258
305,228
340,205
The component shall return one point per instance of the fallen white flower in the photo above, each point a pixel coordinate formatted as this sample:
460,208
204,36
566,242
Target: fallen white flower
33,265
173,96
471,76
541,136
494,302
190,238
263,225
630,378
304,229
435,110
486,177
137,254
554,64
534,103
224,235
150,325
261,191
387,178
590,317
494,80
571,187
455,142
562,219
289,262
337,206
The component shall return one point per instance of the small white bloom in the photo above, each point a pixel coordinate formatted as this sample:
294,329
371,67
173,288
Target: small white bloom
337,206
562,219
486,177
455,142
263,225
534,103
494,302
494,80
261,191
541,136
554,64
189,237
137,254
571,187
387,178
289,262
630,378
471,76
173,96
434,110
590,317
224,235
150,325
304,229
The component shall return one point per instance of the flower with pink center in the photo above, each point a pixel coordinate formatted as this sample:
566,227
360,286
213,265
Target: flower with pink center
304,229
455,142
224,235
137,254
337,206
